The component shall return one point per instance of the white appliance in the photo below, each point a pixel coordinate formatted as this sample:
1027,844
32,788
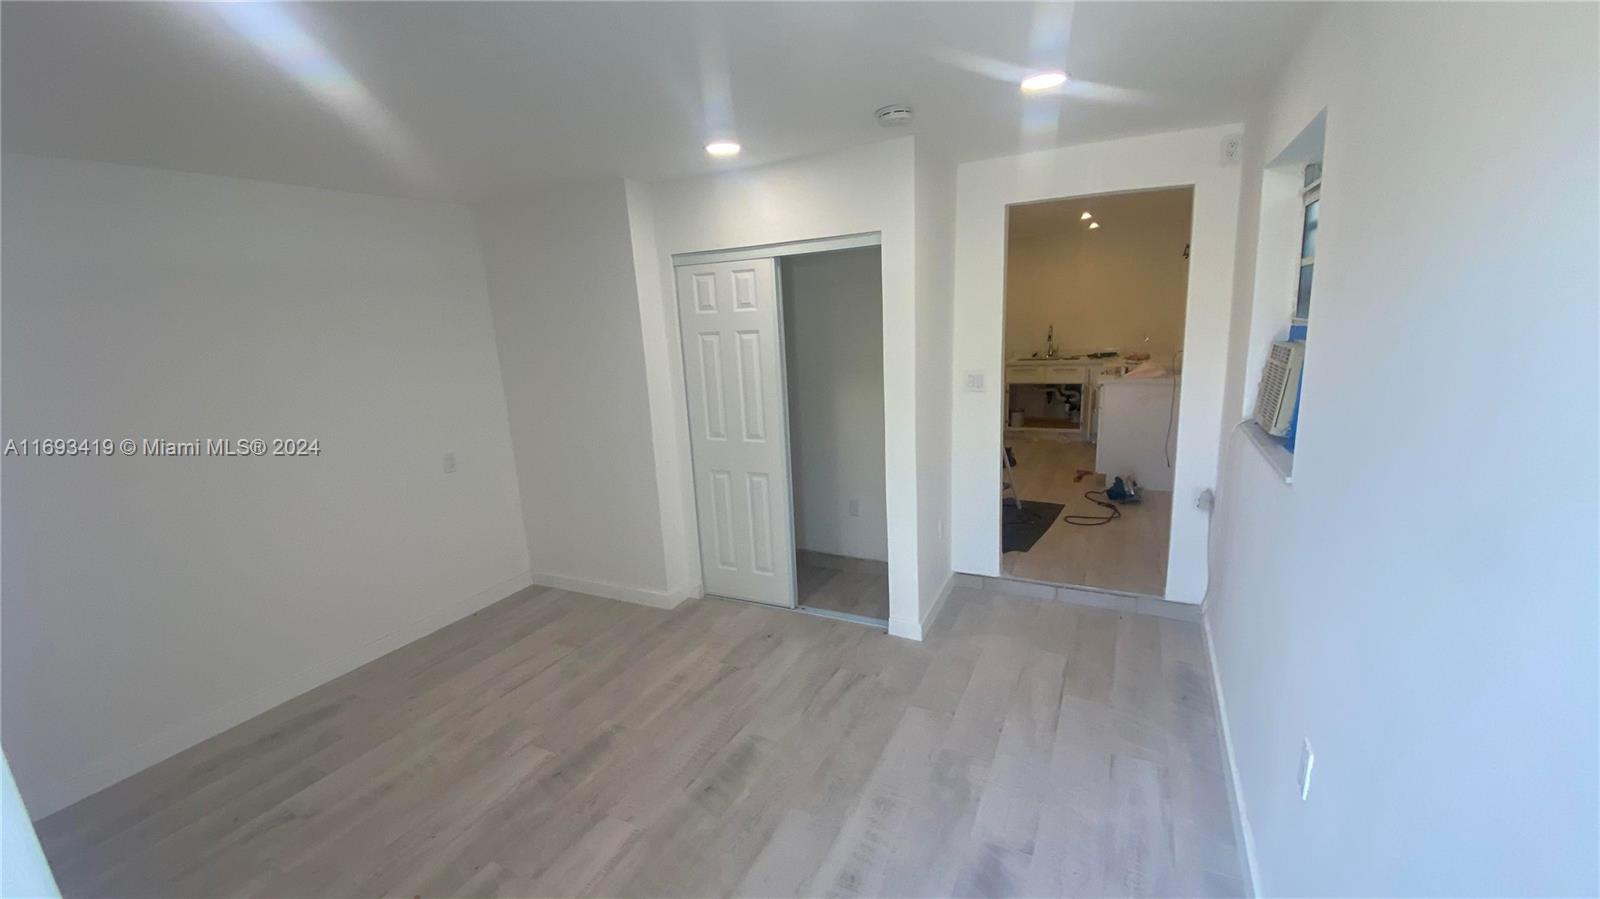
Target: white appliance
1098,375
1280,387
1137,419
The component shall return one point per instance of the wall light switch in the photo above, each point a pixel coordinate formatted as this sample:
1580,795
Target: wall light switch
974,381
449,463
1307,759
855,508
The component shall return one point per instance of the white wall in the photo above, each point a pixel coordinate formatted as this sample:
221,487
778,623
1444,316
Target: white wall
1421,602
867,189
1119,286
658,315
567,321
935,192
24,873
153,602
833,350
983,191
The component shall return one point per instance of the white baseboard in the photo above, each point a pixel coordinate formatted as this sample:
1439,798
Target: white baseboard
914,630
905,630
1241,819
657,599
57,790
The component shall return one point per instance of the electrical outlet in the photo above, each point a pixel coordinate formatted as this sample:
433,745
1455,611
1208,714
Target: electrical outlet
855,508
1307,759
449,463
975,381
1232,146
941,529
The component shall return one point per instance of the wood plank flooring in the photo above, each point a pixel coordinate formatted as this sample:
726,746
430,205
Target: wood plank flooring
557,744
842,584
1129,554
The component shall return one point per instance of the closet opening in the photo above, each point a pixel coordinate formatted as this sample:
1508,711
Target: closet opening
833,354
783,372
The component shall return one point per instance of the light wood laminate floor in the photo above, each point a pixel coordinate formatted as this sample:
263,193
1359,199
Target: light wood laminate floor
1129,554
842,584
559,744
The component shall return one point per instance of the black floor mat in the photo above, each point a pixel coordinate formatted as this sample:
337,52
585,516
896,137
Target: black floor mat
1021,528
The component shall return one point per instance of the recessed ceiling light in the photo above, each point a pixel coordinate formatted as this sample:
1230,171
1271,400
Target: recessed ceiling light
1086,216
722,148
1093,225
1043,81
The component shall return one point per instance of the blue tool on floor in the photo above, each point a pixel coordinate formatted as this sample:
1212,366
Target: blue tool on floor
1122,491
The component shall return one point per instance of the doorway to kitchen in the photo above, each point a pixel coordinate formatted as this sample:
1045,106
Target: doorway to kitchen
1095,300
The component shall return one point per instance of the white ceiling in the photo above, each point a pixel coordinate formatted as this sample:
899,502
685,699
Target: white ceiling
469,100
1028,220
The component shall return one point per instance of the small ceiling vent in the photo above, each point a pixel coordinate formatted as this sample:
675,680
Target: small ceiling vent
894,116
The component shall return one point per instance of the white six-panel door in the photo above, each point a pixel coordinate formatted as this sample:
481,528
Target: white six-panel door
733,371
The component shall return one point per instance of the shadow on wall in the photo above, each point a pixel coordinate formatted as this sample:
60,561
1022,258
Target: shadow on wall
833,348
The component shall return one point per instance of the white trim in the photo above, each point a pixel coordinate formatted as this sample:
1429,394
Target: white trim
938,603
1272,450
905,630
830,614
57,790
1242,837
916,630
773,250
644,596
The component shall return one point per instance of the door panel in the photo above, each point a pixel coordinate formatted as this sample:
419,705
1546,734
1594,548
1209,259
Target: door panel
733,369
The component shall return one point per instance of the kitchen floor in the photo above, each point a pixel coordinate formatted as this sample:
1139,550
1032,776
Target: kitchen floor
1127,555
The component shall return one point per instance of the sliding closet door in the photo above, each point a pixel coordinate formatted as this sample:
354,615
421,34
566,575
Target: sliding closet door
733,370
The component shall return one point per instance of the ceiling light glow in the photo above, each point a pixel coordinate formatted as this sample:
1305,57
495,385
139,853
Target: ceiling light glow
1086,216
1043,81
1093,225
278,35
723,148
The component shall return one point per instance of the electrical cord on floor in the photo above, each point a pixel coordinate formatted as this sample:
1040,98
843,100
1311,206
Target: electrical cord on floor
1172,410
1089,521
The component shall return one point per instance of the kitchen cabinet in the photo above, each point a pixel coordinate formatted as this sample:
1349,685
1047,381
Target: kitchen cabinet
1057,396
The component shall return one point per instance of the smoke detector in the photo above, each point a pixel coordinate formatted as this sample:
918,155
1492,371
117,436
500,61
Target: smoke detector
894,116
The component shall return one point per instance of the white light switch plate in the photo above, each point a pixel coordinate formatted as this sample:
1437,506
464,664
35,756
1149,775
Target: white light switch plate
974,381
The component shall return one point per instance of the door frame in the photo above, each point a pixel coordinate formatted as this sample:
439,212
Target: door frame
1176,413
788,248
773,252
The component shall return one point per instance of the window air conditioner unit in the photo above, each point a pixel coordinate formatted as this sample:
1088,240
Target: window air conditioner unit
1280,387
